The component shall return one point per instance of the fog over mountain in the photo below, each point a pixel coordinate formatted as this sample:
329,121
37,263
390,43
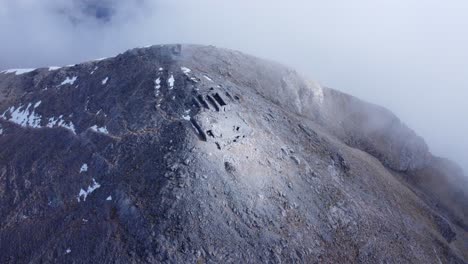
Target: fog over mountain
197,154
409,56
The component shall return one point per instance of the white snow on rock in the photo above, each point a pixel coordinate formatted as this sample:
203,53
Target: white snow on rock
27,117
95,68
171,82
84,168
99,129
90,189
161,69
157,85
18,71
105,81
208,78
69,80
59,122
185,70
24,116
54,68
109,198
186,117
68,251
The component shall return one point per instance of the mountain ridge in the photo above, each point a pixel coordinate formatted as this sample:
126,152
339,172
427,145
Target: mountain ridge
277,167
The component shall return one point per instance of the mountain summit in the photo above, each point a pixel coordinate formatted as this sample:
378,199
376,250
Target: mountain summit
195,154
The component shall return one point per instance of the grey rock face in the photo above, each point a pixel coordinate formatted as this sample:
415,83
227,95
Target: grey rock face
194,154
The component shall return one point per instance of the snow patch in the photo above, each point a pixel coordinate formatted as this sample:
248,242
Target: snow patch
99,129
109,198
59,122
86,104
94,70
208,78
185,70
186,117
54,68
161,69
171,82
18,71
68,251
25,117
157,86
105,81
84,168
69,80
157,83
85,193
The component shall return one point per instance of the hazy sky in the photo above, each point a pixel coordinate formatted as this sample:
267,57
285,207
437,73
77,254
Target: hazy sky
409,56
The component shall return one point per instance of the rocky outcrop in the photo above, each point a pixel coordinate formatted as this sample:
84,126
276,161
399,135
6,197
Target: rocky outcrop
194,154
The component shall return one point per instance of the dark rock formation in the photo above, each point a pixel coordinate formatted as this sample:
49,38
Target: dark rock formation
193,154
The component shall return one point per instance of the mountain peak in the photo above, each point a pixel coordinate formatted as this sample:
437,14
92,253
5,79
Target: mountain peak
188,153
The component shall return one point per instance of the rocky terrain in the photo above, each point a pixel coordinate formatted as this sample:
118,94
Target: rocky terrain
195,154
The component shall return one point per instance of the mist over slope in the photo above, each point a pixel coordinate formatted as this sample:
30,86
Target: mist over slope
186,153
409,56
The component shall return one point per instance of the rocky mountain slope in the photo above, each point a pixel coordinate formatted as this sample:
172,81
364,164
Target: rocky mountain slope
194,154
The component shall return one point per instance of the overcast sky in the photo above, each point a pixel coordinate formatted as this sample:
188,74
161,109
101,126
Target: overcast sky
410,56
